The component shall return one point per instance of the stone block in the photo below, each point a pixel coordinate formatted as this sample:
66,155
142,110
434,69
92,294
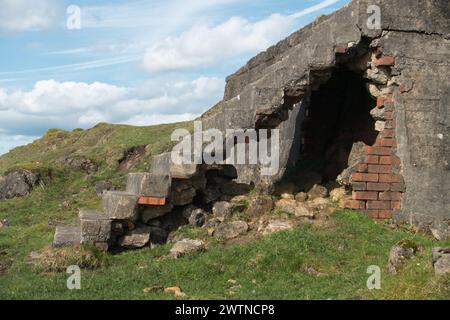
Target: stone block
120,205
149,184
95,227
67,236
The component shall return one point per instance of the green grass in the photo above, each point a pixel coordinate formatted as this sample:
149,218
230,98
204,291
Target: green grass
104,144
265,268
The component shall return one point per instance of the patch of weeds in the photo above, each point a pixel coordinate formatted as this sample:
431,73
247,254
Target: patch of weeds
58,259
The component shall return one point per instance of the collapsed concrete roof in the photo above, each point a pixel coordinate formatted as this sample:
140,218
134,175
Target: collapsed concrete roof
273,88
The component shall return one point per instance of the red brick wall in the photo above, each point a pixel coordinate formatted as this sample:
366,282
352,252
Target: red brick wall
377,184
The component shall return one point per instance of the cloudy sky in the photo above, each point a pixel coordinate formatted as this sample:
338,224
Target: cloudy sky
137,62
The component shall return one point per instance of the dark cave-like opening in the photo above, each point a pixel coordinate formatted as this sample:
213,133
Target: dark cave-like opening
338,116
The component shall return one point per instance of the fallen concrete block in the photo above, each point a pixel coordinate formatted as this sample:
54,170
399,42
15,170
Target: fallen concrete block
95,227
67,236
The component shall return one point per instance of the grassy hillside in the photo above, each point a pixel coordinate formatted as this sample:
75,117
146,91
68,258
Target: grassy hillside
274,267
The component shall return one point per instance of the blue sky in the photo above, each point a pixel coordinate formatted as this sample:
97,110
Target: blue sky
137,62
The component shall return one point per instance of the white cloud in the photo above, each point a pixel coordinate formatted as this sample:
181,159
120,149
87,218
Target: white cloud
24,15
202,45
69,105
49,97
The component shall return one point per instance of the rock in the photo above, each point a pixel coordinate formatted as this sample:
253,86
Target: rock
4,223
80,163
295,208
222,209
66,236
337,194
184,197
287,196
198,217
282,188
136,238
277,226
242,199
231,230
301,197
148,213
260,205
319,204
399,253
380,125
317,191
102,186
17,184
120,205
441,261
95,226
148,184
186,246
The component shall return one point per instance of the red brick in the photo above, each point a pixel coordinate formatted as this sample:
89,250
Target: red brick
372,159
358,186
387,133
372,186
396,205
362,168
398,187
382,151
388,142
376,168
354,204
378,205
152,201
357,176
384,214
390,195
390,124
383,100
389,115
390,178
389,160
385,61
365,195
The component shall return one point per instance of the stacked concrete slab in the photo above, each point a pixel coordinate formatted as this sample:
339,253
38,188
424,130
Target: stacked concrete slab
121,219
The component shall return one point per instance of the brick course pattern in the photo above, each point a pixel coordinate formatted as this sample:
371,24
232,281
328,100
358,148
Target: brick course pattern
377,185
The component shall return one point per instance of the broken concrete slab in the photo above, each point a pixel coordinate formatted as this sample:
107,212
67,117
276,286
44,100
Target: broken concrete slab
95,226
120,205
163,164
149,184
67,236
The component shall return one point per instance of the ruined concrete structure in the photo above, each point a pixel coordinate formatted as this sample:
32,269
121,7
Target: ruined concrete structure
365,107
406,66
